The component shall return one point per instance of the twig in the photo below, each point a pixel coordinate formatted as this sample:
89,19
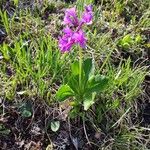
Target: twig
86,132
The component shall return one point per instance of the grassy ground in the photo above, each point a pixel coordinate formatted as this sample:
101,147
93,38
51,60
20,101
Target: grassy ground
32,69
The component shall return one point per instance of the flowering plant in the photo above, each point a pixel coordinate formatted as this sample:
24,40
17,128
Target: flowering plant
82,84
73,33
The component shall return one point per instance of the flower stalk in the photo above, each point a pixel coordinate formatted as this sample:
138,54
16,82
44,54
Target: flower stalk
80,68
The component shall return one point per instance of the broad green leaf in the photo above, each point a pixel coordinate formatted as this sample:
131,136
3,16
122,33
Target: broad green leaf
26,109
97,84
89,101
74,83
88,67
64,92
26,113
75,68
55,125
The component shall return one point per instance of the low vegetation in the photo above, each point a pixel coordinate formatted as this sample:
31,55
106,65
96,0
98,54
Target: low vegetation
96,96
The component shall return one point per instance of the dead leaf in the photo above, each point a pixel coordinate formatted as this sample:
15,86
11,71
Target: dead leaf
65,108
49,147
21,143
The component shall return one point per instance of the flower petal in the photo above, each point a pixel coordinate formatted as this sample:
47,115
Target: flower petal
71,17
87,15
79,38
68,31
65,43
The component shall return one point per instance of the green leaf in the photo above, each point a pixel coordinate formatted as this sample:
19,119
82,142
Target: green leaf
25,109
4,130
126,42
64,92
97,84
26,113
16,2
138,39
55,125
75,68
88,67
115,103
127,39
75,112
89,101
74,83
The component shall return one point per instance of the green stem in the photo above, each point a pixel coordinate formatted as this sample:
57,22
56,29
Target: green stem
80,67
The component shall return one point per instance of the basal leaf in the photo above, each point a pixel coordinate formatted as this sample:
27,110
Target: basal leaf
75,68
74,83
97,84
64,92
88,67
89,101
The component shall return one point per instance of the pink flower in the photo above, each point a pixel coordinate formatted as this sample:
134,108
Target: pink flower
79,38
71,17
70,38
73,33
65,43
68,31
87,15
88,8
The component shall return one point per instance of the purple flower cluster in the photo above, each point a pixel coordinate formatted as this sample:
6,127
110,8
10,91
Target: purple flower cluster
73,33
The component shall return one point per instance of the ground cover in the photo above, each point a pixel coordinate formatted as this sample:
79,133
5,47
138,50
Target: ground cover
110,112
